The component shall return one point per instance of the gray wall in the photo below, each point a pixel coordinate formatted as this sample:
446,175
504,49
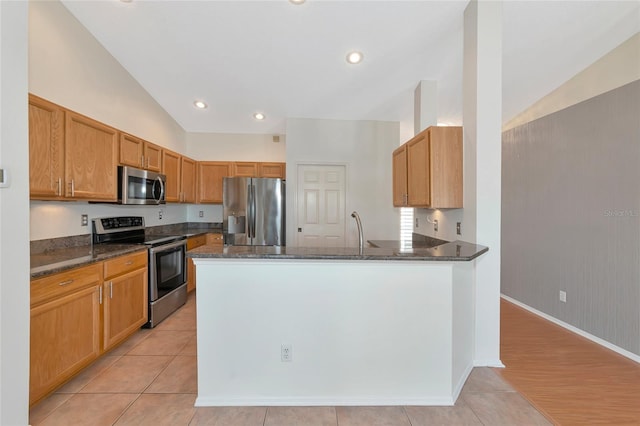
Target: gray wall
571,215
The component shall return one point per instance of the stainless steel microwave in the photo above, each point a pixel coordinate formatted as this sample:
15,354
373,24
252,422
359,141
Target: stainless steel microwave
137,186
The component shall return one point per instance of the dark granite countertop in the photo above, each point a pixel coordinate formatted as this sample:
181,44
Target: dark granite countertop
452,251
60,254
54,261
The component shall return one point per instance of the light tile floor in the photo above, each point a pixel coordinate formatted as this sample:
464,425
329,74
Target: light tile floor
151,380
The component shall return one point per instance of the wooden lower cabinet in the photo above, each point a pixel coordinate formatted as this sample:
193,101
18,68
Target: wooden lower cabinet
125,297
77,315
193,242
64,333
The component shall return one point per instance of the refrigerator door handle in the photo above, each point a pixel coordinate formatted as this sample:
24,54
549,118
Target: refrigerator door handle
251,212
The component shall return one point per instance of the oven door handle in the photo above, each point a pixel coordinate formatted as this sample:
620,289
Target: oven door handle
167,247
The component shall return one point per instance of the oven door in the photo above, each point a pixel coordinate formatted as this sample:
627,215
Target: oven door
167,268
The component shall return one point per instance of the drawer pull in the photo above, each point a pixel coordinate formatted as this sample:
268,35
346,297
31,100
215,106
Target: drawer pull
67,282
129,262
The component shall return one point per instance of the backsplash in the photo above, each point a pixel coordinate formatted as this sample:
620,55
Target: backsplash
48,244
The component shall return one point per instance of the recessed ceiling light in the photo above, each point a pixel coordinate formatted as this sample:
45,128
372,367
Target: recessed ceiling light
297,1
259,116
200,104
354,57
126,1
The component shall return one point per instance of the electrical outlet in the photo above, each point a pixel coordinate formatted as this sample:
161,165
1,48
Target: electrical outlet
201,213
84,220
285,353
563,296
160,214
417,223
459,228
435,225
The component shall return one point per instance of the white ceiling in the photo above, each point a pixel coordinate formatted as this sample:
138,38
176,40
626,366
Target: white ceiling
288,60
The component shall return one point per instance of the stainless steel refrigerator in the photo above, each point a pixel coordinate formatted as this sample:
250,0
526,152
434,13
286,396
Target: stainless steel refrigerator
254,211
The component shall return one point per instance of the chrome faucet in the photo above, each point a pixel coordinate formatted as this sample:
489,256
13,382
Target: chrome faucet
356,216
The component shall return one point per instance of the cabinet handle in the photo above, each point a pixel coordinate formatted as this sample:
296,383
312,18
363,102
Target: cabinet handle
129,262
110,289
59,189
100,296
67,282
73,187
142,161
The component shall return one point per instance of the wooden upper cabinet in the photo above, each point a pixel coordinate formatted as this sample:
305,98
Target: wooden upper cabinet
434,168
188,180
399,166
131,150
91,158
171,168
245,169
272,170
139,153
152,157
210,176
46,149
418,165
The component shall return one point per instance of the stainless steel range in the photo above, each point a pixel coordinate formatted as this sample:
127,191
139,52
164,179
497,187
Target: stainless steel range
167,262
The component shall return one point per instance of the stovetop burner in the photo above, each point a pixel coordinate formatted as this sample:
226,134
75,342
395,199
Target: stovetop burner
127,230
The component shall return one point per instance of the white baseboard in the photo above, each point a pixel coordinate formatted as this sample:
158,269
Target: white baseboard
311,401
575,330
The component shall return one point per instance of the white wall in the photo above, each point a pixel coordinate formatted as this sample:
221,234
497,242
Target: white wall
14,211
68,66
615,69
235,147
482,111
365,147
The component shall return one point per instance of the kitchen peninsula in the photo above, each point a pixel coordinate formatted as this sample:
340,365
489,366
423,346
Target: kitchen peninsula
333,326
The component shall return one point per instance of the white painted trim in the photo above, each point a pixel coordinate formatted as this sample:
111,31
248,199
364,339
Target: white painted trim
320,401
576,330
488,363
463,379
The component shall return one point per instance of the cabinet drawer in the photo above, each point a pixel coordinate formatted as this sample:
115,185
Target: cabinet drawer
123,264
53,286
214,239
196,241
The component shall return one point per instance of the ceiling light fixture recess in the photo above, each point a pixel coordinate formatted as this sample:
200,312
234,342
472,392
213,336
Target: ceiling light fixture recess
200,104
297,1
355,57
259,116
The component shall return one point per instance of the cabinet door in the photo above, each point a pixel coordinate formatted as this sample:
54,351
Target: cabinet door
192,243
46,149
125,306
152,157
272,170
245,169
171,168
64,338
446,167
188,181
210,175
400,177
131,150
91,158
215,240
418,176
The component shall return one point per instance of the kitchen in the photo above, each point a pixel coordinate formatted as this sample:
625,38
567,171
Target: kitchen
164,133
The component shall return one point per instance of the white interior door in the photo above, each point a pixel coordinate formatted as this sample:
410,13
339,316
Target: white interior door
321,195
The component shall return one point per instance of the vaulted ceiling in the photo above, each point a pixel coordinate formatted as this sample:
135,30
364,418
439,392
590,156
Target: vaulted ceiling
288,60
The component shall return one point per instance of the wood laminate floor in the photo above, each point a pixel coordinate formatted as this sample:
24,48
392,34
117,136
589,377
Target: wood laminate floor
570,379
